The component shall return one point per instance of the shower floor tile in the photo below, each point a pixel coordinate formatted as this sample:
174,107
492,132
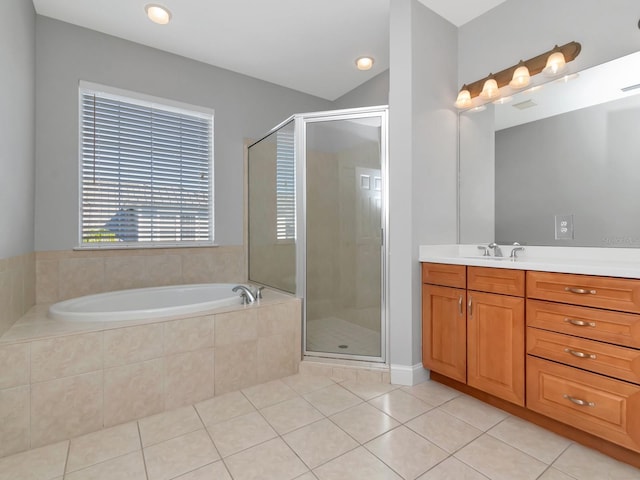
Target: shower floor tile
335,335
425,432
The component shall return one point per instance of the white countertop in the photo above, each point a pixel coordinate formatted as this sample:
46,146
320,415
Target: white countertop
611,262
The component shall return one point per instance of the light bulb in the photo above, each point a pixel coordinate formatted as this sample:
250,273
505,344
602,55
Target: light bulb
158,14
555,64
490,89
464,99
364,63
521,77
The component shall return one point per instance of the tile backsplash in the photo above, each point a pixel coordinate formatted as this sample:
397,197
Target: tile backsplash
65,274
17,288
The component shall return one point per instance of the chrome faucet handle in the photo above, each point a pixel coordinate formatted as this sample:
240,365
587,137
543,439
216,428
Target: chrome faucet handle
245,293
485,250
515,250
258,292
496,249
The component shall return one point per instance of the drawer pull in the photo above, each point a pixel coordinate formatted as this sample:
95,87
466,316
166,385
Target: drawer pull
460,304
580,291
577,401
578,354
579,323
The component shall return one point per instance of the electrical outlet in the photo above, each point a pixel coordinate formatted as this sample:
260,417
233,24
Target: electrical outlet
564,227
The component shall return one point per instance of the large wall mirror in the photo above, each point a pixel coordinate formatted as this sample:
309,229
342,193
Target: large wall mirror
558,165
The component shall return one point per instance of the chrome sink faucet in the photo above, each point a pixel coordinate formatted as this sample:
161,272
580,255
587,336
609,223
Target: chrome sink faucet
248,297
496,249
514,251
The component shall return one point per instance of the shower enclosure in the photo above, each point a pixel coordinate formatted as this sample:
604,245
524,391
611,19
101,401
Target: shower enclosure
317,224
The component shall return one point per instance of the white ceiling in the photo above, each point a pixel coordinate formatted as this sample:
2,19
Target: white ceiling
306,45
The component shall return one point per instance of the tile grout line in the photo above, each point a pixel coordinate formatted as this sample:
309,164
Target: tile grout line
144,459
213,443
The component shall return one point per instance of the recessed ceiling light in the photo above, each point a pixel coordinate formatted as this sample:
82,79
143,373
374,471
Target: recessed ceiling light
158,13
364,63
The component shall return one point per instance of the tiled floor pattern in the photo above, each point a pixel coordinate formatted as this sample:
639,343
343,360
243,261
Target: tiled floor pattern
307,427
328,334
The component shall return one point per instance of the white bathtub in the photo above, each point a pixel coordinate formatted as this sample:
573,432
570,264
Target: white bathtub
146,303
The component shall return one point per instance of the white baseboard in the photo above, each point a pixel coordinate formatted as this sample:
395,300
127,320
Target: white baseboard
408,375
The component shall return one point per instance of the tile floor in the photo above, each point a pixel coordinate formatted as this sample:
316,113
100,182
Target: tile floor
307,427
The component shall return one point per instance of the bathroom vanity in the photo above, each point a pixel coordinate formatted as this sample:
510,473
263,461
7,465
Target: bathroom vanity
541,338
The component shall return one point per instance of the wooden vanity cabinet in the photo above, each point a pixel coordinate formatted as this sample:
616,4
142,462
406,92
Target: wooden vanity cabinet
495,332
473,327
583,353
444,321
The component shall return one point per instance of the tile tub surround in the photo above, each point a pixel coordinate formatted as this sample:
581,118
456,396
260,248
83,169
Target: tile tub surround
610,262
63,379
17,288
278,431
66,274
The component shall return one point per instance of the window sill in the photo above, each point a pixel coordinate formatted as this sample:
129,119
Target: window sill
145,246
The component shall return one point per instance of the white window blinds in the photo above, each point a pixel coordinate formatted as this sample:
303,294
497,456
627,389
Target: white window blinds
146,172
285,186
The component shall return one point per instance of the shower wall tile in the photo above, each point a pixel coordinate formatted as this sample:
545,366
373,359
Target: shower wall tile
188,378
66,356
127,345
66,407
235,366
14,360
133,391
236,327
188,335
14,420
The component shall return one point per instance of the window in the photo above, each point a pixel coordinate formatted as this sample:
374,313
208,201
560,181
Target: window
146,171
285,186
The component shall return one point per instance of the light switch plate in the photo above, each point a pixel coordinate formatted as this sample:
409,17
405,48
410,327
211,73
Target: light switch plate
564,227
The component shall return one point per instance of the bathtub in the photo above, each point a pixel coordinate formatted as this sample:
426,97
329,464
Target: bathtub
146,303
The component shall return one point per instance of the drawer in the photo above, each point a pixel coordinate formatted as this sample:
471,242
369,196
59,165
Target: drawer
444,274
599,405
603,325
611,360
496,280
602,292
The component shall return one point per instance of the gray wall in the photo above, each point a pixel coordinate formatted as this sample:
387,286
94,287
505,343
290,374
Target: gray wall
17,127
371,93
244,108
583,163
422,167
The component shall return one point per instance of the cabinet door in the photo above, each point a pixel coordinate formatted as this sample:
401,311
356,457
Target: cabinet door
444,331
495,342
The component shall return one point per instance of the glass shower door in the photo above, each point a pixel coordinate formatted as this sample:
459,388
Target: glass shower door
344,202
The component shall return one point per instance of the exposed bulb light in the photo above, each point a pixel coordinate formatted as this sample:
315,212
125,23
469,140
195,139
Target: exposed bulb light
490,89
555,64
521,77
464,98
552,63
158,14
364,63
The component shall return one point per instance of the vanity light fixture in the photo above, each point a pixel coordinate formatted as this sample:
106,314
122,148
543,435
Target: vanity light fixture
158,14
518,76
364,63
